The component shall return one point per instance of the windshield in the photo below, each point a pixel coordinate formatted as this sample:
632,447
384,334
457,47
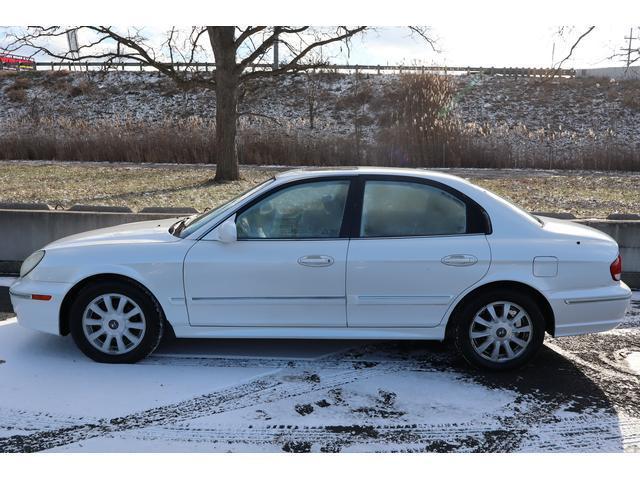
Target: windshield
193,223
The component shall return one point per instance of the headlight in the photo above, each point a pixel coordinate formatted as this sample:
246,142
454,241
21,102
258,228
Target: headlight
31,262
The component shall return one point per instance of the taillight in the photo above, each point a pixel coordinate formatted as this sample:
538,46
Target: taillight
616,269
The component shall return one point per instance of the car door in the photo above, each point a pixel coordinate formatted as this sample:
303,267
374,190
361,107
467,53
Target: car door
287,267
419,245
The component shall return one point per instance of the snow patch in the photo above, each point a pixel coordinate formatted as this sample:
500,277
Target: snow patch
45,373
633,361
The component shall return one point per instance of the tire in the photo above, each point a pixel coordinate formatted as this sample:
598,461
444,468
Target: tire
131,328
517,338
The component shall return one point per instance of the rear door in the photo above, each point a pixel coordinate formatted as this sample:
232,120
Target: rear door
418,245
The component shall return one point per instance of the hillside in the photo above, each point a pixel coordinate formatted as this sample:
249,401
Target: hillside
560,123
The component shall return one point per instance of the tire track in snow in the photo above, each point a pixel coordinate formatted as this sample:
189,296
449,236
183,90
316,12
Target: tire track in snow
581,433
264,390
537,428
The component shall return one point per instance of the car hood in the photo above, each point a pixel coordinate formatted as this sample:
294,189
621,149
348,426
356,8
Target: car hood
140,232
574,230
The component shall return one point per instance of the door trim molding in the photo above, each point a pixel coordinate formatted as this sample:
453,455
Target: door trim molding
399,299
320,300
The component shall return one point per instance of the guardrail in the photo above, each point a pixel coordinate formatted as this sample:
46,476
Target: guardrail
375,69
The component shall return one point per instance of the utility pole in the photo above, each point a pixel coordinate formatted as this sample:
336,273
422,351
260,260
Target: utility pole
276,59
629,47
72,42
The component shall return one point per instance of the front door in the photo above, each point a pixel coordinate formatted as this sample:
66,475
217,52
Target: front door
287,268
417,251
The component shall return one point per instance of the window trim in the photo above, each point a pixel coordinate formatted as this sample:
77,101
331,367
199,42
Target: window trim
475,212
346,216
350,229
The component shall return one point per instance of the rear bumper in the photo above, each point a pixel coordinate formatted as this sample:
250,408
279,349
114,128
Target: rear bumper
38,315
589,311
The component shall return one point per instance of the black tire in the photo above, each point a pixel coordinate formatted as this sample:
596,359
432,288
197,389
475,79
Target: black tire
464,319
153,318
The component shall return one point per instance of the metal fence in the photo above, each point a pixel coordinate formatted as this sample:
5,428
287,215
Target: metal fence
373,69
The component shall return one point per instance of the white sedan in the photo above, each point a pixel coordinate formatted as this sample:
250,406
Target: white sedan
362,253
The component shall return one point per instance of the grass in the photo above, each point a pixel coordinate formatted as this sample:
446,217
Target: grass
132,186
585,194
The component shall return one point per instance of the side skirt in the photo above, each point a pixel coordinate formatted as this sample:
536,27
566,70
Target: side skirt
342,333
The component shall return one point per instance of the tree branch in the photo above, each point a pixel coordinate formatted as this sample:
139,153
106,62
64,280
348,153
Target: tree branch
573,47
294,65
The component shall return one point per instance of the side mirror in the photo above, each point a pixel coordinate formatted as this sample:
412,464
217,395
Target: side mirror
226,231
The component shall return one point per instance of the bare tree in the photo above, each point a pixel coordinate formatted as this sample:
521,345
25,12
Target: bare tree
312,86
561,33
236,50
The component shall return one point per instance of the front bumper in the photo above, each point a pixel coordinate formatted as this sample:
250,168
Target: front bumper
589,311
40,315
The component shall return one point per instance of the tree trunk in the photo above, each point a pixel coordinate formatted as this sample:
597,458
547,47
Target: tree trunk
227,86
311,113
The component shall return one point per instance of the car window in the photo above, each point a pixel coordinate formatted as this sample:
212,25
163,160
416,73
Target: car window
308,210
198,221
400,209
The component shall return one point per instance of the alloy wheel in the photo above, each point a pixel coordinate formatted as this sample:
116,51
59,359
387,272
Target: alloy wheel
113,323
501,331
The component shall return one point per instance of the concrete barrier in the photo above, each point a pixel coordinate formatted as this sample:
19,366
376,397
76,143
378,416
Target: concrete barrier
607,73
24,231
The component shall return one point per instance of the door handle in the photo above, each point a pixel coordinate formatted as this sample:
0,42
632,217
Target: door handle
459,260
316,261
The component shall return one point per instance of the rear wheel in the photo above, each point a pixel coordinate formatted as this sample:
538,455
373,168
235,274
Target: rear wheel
115,322
499,330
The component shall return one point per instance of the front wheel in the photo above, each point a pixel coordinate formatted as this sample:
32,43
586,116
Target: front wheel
499,330
115,322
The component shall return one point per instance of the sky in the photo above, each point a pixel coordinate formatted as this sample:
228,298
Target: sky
508,44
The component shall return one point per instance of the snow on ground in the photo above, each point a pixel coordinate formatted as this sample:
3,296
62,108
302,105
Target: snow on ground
633,360
579,394
45,373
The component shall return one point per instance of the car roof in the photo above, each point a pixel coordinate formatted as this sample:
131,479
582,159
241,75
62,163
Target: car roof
313,172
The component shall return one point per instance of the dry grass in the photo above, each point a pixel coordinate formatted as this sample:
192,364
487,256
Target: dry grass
17,96
585,194
415,127
84,87
132,186
418,124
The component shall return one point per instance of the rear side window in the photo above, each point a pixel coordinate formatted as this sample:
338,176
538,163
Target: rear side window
409,209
